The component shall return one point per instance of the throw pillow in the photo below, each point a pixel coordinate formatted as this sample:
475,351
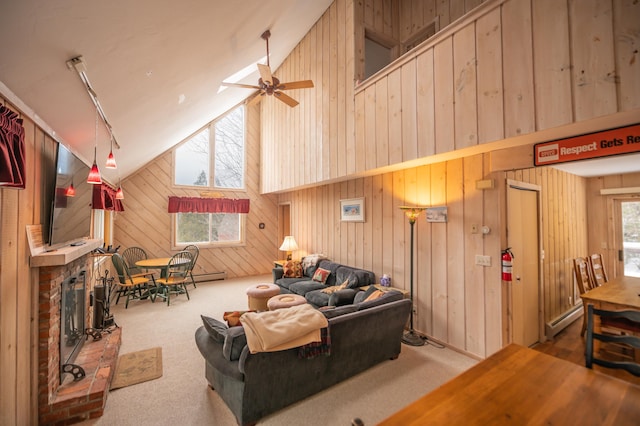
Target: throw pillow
373,296
292,269
321,275
234,342
216,329
334,288
233,317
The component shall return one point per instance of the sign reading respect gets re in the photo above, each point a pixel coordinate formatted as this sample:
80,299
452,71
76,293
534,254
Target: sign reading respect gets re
622,140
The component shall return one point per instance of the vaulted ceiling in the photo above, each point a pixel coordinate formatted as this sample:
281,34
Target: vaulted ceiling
155,65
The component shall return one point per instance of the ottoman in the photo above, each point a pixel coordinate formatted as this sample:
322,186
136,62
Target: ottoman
259,294
285,301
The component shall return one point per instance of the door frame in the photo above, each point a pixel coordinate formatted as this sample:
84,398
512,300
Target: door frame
509,308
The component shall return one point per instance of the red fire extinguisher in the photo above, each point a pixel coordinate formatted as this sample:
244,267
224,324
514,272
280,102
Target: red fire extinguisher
507,266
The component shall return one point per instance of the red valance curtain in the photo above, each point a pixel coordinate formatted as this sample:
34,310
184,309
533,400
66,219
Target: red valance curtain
12,155
207,205
104,198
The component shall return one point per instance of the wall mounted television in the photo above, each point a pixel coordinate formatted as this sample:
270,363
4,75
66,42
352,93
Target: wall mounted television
70,215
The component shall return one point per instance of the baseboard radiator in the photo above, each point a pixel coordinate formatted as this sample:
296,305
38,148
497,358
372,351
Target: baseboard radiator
209,276
560,323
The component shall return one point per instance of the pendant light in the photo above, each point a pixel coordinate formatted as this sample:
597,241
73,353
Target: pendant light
111,160
94,174
119,192
70,191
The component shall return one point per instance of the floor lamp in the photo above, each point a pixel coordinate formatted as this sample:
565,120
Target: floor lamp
410,337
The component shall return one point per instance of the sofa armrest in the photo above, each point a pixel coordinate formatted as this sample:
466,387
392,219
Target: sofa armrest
277,274
342,297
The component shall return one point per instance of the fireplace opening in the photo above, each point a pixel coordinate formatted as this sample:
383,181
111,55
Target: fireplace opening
72,319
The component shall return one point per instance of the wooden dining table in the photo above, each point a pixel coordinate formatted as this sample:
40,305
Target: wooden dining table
521,386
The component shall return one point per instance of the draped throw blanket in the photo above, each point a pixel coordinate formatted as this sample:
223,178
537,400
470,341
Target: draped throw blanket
207,205
12,150
283,328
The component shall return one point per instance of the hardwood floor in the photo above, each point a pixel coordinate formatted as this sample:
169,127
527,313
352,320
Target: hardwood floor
568,345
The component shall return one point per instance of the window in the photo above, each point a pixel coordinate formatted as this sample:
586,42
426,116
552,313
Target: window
209,228
221,145
212,158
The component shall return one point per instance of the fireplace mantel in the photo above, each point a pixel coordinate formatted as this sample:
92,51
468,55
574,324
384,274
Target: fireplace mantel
65,255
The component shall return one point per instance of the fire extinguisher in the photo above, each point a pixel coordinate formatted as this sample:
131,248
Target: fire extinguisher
507,266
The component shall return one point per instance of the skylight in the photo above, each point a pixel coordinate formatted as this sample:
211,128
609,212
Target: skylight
244,72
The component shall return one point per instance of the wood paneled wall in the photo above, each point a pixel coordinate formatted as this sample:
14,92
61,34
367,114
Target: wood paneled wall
471,84
146,223
19,285
457,302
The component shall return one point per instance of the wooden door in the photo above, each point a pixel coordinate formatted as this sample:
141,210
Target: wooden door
523,238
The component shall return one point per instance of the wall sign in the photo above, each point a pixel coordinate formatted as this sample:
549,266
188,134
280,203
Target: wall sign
622,140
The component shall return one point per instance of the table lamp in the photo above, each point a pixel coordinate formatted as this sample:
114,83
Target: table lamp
289,245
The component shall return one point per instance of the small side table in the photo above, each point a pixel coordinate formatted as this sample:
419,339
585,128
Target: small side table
279,263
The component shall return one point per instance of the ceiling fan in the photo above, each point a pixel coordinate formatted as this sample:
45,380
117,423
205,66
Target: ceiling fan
268,84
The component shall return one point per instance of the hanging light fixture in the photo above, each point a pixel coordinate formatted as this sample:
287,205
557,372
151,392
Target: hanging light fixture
119,192
70,191
111,160
94,174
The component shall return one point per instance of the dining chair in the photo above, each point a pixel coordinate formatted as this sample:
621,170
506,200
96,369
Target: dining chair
133,254
195,253
133,286
632,320
177,276
596,267
583,279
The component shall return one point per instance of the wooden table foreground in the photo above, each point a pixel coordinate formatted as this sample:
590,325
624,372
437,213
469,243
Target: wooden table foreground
521,386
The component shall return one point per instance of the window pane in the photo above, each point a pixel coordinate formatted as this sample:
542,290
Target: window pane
229,150
225,227
631,237
192,228
208,228
192,161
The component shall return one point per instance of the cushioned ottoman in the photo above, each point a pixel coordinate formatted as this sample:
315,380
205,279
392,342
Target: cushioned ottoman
259,294
285,301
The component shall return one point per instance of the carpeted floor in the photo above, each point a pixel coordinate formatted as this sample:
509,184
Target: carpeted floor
182,396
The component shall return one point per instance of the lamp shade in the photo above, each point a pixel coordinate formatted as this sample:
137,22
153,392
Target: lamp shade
111,161
71,191
94,174
119,194
412,212
289,244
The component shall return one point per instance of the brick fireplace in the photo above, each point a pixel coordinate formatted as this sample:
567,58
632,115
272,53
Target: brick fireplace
63,402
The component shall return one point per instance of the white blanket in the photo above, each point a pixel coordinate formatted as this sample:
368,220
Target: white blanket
283,328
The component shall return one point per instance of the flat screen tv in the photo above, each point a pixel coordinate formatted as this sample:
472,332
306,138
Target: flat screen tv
70,213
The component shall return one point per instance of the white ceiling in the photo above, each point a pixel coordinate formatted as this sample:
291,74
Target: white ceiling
155,65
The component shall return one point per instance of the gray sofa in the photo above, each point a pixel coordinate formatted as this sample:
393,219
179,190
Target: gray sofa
312,290
255,385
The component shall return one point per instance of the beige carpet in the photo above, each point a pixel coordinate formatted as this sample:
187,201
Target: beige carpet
182,397
137,367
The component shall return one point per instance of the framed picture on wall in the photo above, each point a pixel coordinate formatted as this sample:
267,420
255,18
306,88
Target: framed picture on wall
437,214
352,210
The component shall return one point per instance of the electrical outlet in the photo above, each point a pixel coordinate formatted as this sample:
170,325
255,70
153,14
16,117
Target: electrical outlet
483,260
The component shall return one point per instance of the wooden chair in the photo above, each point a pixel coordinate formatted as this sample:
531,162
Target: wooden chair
177,276
596,267
133,286
632,320
195,252
133,254
583,279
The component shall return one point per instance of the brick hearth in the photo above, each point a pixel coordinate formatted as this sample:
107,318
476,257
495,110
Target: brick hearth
71,402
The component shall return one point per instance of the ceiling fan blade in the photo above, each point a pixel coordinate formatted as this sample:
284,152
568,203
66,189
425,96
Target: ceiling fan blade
303,84
256,99
245,86
265,74
286,99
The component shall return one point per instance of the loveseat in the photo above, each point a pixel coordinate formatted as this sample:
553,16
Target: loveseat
315,286
254,385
